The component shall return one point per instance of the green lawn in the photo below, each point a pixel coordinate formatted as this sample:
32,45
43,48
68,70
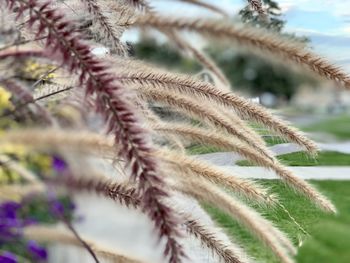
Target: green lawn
273,140
304,212
338,126
202,149
302,159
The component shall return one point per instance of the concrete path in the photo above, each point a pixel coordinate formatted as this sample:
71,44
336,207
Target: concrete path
131,232
127,230
312,172
229,158
343,147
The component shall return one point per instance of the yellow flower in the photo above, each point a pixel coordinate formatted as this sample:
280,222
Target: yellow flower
18,150
5,96
44,161
36,70
7,176
3,176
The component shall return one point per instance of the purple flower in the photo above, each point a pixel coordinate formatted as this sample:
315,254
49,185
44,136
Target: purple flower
9,210
10,225
7,257
10,229
37,251
58,164
29,221
57,208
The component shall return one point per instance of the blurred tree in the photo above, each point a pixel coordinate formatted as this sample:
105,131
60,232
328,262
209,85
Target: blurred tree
161,53
254,73
244,70
251,73
273,20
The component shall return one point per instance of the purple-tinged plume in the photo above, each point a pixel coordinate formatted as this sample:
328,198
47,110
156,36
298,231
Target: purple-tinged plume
65,45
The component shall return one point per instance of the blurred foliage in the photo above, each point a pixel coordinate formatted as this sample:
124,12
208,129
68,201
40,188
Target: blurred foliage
35,209
244,71
39,163
256,75
161,53
38,208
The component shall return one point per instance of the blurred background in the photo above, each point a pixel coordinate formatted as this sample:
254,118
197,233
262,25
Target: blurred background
317,107
325,30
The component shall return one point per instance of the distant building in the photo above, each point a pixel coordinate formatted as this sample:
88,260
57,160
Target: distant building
325,99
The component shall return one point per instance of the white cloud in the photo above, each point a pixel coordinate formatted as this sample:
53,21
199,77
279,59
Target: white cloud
345,30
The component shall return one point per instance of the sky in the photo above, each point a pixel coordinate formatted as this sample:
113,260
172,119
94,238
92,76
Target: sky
325,22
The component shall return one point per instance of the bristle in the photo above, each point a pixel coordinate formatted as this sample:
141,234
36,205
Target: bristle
113,115
65,45
201,57
183,84
107,31
24,97
201,112
258,225
227,251
232,182
253,37
207,6
127,195
214,138
91,142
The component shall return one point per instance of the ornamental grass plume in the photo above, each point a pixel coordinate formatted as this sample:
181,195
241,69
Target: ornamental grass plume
23,97
116,120
261,227
90,142
215,138
65,46
200,112
201,57
127,195
205,91
207,6
55,234
256,38
247,188
105,26
97,144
